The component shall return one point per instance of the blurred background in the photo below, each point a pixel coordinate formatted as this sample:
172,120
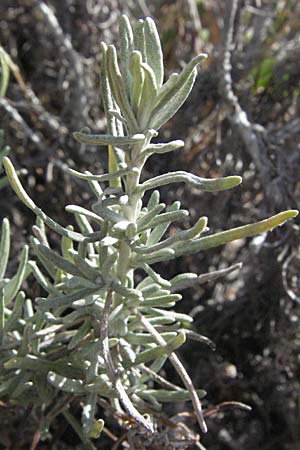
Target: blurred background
242,118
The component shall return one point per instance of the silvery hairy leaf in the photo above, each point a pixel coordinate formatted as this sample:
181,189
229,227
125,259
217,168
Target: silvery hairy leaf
104,324
154,55
173,98
126,44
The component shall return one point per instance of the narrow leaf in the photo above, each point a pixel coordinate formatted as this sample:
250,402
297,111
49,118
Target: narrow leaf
160,229
65,300
4,246
137,79
139,38
126,44
164,396
172,99
203,184
24,197
12,287
115,181
107,139
236,233
154,55
59,261
164,148
4,72
118,88
79,210
114,125
148,96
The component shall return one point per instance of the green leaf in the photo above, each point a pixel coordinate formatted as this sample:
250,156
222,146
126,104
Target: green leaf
154,54
185,235
4,72
118,89
82,331
164,148
137,79
12,320
41,279
87,269
3,152
96,429
65,300
203,184
49,266
59,261
263,73
24,197
12,287
114,125
146,217
81,212
66,246
154,276
106,139
145,338
161,255
163,301
223,237
160,229
153,353
153,200
114,182
126,47
4,246
88,416
139,38
172,99
164,396
148,96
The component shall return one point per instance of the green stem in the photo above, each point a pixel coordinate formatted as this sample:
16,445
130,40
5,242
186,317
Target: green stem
130,211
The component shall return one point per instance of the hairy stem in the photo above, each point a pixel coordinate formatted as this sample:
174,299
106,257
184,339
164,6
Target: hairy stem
179,368
113,373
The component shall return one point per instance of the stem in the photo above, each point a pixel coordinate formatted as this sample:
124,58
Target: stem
113,373
179,368
131,212
124,271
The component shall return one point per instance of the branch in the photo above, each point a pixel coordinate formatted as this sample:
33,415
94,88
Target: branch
179,368
251,134
113,373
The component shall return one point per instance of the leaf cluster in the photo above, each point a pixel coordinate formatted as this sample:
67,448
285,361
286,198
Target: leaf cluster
97,332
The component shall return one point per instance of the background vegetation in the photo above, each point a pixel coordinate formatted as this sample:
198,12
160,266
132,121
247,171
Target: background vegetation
242,118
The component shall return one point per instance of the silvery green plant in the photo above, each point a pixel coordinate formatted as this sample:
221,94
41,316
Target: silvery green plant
4,79
100,331
5,66
10,287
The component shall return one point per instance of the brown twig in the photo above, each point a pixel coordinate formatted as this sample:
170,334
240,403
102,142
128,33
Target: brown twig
252,135
215,409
